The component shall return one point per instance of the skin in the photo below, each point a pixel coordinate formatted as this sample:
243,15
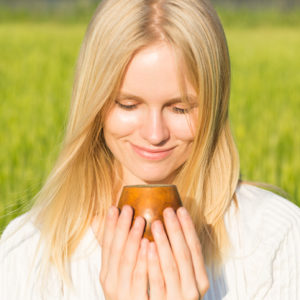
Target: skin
151,119
172,269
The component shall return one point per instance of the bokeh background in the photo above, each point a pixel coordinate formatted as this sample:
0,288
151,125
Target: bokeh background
39,44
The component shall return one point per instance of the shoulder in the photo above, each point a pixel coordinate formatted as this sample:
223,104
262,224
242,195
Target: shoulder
264,231
261,219
19,235
260,205
18,258
18,244
261,222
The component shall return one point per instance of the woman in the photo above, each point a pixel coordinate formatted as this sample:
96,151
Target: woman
150,105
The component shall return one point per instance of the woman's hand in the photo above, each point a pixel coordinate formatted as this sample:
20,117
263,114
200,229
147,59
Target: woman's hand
176,271
124,257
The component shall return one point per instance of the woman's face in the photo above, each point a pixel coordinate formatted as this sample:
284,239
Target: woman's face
149,129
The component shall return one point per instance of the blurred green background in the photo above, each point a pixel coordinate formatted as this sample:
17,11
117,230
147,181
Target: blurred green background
39,44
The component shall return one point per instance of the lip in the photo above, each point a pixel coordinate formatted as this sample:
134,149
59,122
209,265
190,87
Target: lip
152,154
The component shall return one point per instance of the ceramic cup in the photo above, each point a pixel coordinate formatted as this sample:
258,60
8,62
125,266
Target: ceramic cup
149,201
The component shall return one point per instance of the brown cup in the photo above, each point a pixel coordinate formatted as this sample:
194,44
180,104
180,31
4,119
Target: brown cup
149,201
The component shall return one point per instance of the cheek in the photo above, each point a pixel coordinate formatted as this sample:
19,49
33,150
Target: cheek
121,123
183,128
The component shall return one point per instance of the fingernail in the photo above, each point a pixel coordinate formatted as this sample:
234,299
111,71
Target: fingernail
182,211
138,222
126,209
169,212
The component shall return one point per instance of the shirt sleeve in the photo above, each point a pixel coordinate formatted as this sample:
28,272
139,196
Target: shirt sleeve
20,261
17,242
286,266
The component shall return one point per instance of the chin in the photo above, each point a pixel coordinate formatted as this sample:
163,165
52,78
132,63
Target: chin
157,181
156,178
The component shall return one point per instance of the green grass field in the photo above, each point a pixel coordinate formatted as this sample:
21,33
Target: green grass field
37,61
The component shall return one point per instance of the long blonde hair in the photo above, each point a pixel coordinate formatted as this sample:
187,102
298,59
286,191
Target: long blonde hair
82,183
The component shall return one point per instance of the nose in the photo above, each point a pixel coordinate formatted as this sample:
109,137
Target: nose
155,128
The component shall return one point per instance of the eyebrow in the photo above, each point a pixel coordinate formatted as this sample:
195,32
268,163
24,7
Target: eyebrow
189,97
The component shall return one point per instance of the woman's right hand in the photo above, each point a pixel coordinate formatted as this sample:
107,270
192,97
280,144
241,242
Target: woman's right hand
123,272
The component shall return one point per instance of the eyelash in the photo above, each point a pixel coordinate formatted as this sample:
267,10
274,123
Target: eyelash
178,110
126,107
175,109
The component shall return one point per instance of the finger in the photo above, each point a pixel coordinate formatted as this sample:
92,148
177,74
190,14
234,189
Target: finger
156,280
181,253
118,243
167,261
195,249
130,253
109,229
139,279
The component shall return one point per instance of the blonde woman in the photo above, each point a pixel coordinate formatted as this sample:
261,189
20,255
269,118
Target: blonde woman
150,106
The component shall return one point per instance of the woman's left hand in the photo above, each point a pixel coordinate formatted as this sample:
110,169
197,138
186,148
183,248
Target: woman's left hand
176,269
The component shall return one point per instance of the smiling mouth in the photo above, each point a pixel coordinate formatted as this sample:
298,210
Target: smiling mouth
152,154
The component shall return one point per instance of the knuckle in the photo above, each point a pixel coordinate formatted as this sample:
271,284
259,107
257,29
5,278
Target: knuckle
158,284
138,275
191,294
121,295
109,287
171,267
125,261
102,278
186,256
204,287
115,249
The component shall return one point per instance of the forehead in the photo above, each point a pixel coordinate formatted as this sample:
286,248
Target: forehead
154,72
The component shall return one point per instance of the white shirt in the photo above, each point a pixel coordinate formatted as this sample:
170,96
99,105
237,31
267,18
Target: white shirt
264,262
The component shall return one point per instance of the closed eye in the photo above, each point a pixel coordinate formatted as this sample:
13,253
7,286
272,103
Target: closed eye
184,109
181,110
126,106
